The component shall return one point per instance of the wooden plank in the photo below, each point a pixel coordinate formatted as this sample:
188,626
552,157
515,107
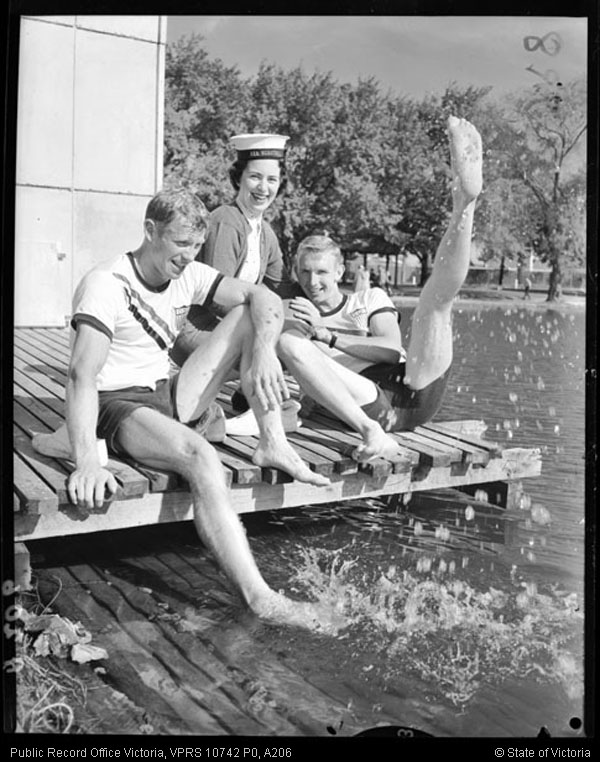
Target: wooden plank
437,455
309,441
132,663
460,431
322,440
156,508
40,352
242,470
34,494
53,472
42,340
470,453
45,379
377,467
336,427
47,417
193,678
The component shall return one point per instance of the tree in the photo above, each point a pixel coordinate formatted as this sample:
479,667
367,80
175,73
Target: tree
537,145
205,103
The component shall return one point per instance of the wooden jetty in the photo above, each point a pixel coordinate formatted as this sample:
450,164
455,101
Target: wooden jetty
450,454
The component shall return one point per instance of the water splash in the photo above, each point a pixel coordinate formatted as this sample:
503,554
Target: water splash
442,630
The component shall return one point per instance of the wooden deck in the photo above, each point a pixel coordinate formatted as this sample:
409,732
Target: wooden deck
437,455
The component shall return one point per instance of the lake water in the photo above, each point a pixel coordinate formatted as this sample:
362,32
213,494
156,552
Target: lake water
464,620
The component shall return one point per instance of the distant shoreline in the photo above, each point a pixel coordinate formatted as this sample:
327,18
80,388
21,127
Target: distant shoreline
498,298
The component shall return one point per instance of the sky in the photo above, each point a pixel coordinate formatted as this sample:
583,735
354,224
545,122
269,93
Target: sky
410,55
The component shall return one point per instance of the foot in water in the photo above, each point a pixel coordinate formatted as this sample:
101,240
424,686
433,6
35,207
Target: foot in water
58,445
246,425
281,455
466,157
276,609
376,444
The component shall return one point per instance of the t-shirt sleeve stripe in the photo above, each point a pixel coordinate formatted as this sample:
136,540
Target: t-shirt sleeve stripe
383,309
211,293
82,317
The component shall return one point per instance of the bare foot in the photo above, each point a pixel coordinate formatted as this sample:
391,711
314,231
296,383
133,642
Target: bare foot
277,609
58,445
376,444
282,455
466,155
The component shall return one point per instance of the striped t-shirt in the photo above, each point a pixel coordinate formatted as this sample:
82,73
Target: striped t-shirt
141,321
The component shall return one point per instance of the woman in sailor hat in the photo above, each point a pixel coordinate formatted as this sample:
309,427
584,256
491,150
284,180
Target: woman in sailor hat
240,242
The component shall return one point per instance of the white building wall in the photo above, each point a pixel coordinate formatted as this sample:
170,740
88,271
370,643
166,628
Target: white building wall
89,150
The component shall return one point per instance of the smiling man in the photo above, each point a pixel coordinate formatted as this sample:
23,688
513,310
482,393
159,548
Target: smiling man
121,386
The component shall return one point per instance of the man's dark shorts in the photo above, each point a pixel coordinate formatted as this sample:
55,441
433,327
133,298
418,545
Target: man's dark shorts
397,406
116,406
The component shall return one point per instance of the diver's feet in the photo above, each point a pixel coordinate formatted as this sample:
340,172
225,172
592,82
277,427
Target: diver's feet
246,425
58,445
467,160
275,608
376,444
281,455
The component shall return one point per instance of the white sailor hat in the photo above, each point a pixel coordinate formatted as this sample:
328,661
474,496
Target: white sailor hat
260,146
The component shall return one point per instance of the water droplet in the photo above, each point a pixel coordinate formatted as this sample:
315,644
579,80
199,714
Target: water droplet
540,514
470,513
513,397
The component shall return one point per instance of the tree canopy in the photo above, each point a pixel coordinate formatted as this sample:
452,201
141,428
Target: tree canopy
372,168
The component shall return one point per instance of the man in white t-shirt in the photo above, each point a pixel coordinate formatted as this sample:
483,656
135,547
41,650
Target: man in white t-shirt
353,362
122,388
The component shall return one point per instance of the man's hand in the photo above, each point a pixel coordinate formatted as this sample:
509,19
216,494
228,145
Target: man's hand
266,375
303,309
88,485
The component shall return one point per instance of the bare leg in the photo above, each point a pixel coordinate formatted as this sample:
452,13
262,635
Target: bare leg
430,349
160,442
210,365
273,449
338,389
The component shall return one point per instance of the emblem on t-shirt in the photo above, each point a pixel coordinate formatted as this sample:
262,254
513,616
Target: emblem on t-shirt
180,315
359,318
